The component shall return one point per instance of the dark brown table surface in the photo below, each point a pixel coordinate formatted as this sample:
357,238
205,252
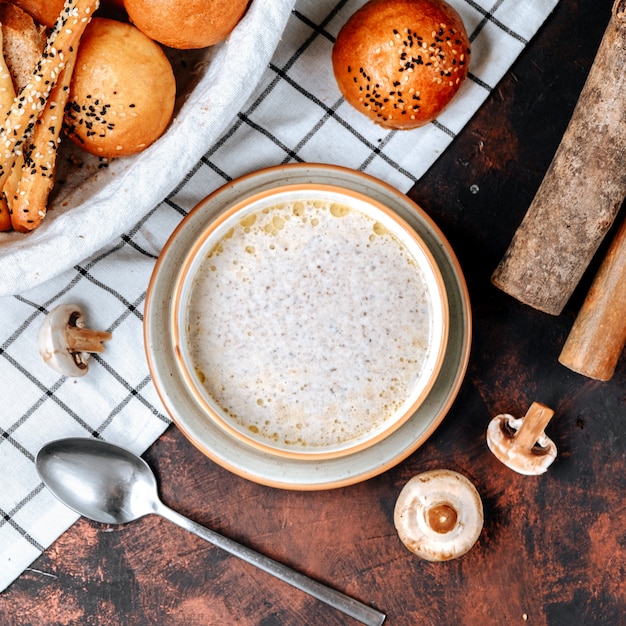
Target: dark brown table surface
553,548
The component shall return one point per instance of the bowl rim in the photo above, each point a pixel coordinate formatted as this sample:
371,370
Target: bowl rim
438,300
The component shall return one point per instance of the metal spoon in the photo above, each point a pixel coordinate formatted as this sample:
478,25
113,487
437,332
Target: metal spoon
111,485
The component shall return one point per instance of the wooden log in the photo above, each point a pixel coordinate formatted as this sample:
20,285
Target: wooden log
598,335
582,191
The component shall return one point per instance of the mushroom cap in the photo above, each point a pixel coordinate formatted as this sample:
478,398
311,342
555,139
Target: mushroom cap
501,441
439,515
54,342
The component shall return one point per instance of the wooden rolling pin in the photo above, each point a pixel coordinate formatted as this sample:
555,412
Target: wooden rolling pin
582,190
598,335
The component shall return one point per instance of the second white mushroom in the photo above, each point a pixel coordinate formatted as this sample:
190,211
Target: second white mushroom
439,515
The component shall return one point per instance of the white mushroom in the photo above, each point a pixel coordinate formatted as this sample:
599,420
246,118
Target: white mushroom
439,515
520,443
65,344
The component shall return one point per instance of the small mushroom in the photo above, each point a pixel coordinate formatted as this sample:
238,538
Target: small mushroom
65,344
520,443
439,515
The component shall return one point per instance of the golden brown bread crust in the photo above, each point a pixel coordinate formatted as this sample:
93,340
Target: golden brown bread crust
401,62
43,11
23,43
186,24
122,93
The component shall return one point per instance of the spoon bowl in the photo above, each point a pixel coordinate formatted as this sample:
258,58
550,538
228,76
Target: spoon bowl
111,485
99,480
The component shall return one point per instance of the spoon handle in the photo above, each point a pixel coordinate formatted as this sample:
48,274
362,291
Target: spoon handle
332,597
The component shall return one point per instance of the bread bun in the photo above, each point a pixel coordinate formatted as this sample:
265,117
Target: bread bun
43,11
46,12
401,62
23,42
186,24
122,93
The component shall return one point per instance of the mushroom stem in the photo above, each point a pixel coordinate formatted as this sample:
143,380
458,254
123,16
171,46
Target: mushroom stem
521,443
64,342
531,431
442,517
86,340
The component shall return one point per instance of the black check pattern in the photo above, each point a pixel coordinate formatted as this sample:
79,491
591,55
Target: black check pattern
295,115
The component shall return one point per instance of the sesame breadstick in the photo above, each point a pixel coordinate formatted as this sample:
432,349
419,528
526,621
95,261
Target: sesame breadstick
7,95
5,217
29,203
30,102
7,91
11,182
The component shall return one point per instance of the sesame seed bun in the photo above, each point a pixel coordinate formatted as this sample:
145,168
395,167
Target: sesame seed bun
401,62
186,24
122,93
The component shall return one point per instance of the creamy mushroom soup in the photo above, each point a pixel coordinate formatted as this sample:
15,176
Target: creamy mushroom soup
310,325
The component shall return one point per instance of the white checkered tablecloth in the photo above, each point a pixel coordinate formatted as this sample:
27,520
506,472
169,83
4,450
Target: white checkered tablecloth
295,115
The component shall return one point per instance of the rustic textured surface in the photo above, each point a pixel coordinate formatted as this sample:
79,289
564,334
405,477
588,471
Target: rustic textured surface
553,547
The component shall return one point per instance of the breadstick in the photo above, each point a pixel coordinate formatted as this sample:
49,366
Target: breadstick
7,91
7,95
28,105
12,180
29,203
5,217
7,196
